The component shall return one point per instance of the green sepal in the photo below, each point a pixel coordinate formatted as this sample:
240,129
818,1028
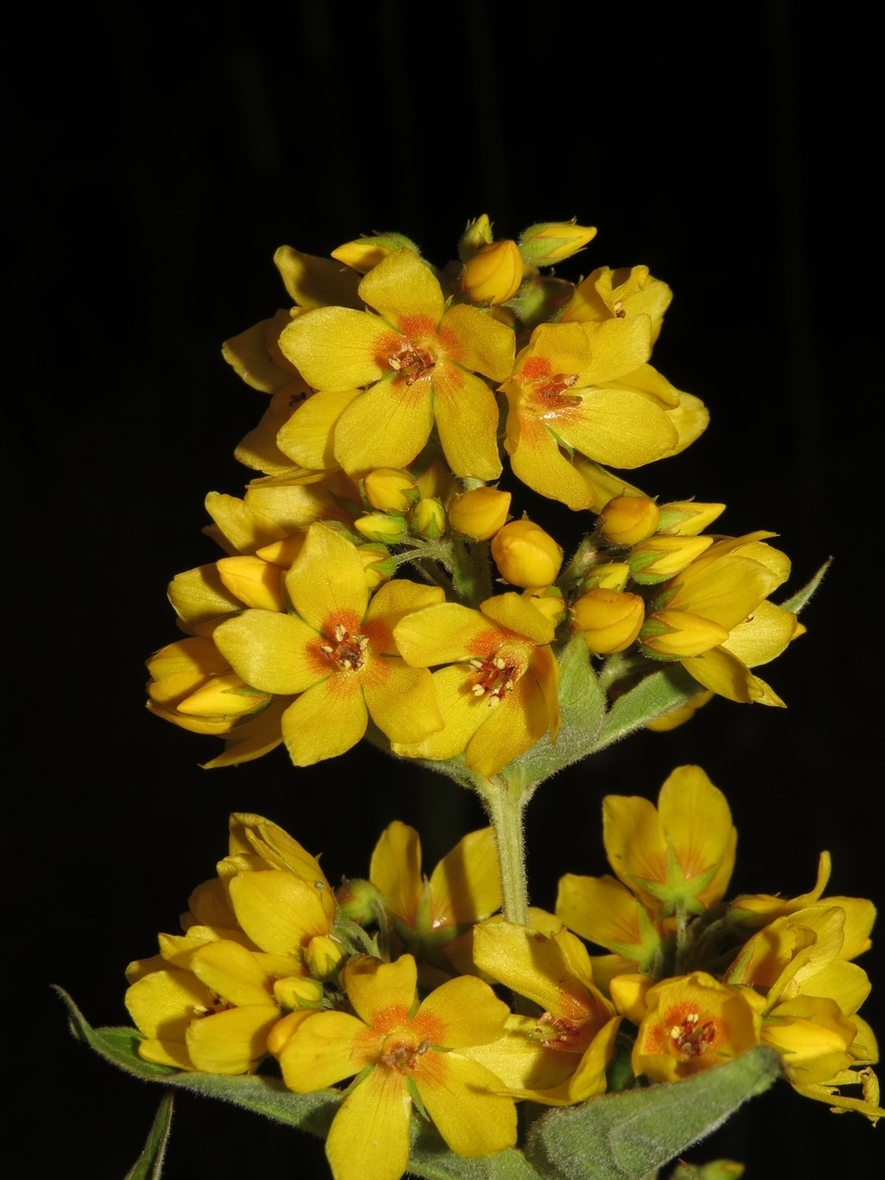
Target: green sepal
267,1096
627,1136
715,1170
149,1165
801,597
655,695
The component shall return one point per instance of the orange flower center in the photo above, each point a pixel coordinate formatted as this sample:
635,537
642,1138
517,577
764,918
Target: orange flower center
412,360
402,1056
495,678
348,652
690,1038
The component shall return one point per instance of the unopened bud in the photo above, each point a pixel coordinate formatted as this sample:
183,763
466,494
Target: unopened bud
387,527
687,518
294,991
540,299
609,620
627,520
323,956
359,900
429,519
365,253
480,513
612,575
680,635
477,234
525,555
255,582
661,558
391,490
494,273
552,241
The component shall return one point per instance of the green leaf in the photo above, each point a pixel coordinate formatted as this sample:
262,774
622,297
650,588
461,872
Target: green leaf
432,1160
660,693
801,597
627,1136
582,705
267,1096
149,1165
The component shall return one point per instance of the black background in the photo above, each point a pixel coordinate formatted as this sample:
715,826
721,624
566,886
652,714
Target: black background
159,156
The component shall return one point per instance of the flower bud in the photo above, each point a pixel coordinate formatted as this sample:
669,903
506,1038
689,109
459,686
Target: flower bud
387,527
294,991
480,513
552,241
477,234
609,620
365,253
540,299
679,635
378,565
255,582
435,480
359,900
494,273
627,520
549,601
323,956
226,695
391,490
612,575
525,555
429,519
687,518
661,558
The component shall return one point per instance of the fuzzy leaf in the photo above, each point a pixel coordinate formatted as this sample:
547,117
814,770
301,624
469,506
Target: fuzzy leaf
582,705
267,1096
430,1159
657,694
149,1165
627,1136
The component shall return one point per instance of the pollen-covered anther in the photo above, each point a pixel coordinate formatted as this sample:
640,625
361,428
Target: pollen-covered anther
692,1038
348,652
496,677
402,1057
553,393
412,358
563,1034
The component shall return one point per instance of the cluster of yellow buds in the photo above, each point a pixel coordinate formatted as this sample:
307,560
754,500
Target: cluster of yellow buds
386,977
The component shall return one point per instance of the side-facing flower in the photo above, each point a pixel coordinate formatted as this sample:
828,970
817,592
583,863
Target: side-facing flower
420,363
561,1057
402,1052
435,916
498,694
715,618
337,652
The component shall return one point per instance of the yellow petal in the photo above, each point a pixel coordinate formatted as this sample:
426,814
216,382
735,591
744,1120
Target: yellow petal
470,1011
162,1003
307,733
250,358
696,817
316,282
337,348
619,426
519,614
243,526
231,1042
465,886
385,427
233,972
307,436
369,1139
402,700
763,636
321,1051
395,869
400,287
460,1097
279,911
258,448
199,596
477,341
271,651
327,583
466,415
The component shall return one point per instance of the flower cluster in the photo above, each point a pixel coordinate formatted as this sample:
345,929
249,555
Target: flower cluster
385,980
397,391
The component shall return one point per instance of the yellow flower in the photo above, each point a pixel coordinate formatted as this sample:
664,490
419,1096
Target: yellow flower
616,294
402,1052
479,513
692,1023
420,363
716,620
499,693
586,388
678,856
609,620
337,652
435,917
627,520
493,274
561,1057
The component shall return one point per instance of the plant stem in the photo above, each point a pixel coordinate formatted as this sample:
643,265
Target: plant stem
505,805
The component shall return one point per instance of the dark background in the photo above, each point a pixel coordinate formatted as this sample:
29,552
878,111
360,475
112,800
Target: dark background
159,156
